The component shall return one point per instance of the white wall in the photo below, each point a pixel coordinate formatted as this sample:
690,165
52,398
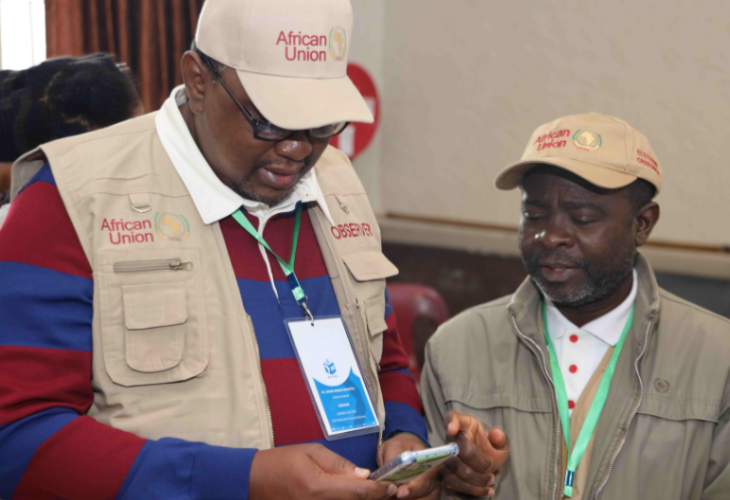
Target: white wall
466,82
367,51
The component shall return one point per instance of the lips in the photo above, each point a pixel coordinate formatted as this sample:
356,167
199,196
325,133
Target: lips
279,178
558,272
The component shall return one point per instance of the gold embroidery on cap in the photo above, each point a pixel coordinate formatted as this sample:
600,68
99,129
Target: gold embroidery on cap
338,43
587,140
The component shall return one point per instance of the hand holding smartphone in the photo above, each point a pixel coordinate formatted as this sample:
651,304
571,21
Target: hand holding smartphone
411,464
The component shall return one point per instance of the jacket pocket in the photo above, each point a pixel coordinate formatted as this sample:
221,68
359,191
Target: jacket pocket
471,395
679,410
153,324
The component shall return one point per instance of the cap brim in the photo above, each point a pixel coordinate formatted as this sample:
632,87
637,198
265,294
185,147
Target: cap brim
303,103
511,177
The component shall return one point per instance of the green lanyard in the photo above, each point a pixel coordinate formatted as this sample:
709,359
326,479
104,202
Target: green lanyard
575,455
287,267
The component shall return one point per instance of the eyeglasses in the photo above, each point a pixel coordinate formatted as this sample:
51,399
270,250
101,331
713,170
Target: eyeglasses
267,131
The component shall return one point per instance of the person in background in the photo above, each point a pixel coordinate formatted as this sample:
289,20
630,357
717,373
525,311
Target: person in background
156,273
59,98
609,387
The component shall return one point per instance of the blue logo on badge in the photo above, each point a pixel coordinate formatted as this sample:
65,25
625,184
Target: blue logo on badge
329,367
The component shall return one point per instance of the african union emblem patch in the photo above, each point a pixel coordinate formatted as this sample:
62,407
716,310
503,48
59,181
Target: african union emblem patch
338,43
172,227
587,140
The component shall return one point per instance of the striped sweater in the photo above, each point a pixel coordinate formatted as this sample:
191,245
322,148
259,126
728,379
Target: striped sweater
49,448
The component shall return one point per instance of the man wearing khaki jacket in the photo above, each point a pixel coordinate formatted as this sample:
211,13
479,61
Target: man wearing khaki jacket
608,386
156,274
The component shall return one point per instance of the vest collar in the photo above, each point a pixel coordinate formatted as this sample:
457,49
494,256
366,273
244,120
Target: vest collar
213,199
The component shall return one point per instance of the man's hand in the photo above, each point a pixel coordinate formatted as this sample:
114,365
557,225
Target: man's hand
311,471
425,486
481,454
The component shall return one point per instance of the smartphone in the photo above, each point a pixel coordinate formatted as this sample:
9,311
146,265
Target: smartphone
411,464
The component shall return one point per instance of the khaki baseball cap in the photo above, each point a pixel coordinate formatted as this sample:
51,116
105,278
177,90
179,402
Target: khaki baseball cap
605,151
291,57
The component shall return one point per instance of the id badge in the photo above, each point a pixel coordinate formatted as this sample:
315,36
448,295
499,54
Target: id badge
334,378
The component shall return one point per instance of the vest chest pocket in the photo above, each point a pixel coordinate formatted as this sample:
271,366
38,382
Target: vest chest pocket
154,340
369,270
152,316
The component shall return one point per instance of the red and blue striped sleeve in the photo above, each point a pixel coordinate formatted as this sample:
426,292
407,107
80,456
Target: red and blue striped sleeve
49,448
403,408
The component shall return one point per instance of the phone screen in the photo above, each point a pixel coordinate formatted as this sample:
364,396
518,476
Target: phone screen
410,464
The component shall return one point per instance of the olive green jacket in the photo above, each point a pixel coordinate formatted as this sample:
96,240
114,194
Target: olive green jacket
664,433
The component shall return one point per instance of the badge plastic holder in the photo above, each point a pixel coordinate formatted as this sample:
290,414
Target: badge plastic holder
335,428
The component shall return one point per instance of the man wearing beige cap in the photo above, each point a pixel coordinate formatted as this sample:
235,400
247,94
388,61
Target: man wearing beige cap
608,386
193,302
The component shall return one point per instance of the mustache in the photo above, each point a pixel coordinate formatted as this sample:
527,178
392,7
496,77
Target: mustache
533,260
287,164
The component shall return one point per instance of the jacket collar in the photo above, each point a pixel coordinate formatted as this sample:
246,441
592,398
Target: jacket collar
525,304
607,328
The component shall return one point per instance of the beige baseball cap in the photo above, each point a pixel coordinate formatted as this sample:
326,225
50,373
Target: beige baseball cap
605,151
291,57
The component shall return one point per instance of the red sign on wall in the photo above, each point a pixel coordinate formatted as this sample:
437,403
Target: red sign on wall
357,136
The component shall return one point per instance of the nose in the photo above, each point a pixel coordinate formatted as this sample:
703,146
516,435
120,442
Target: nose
555,234
296,148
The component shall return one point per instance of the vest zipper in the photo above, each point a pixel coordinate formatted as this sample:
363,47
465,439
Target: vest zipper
559,429
263,384
134,266
634,411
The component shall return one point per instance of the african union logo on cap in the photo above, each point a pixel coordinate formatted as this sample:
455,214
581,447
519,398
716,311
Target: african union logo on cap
587,140
172,227
338,43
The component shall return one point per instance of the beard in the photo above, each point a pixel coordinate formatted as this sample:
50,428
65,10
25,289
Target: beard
245,189
602,278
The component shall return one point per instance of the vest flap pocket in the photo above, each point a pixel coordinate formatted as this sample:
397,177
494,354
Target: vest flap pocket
369,265
153,306
152,317
153,341
375,312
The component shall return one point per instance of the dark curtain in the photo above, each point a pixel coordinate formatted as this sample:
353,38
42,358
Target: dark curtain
149,35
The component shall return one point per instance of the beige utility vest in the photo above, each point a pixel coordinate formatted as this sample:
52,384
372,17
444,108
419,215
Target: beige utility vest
174,350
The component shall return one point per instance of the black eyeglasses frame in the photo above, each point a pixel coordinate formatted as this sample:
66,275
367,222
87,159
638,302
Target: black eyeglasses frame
260,125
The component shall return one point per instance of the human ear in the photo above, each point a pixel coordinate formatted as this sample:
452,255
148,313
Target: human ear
646,219
194,76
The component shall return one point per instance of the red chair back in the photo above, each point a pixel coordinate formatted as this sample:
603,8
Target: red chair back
419,310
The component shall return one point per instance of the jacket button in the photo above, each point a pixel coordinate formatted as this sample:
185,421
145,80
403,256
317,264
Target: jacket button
573,369
662,386
574,338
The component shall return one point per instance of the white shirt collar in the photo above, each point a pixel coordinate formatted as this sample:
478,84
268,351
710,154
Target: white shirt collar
608,327
213,199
